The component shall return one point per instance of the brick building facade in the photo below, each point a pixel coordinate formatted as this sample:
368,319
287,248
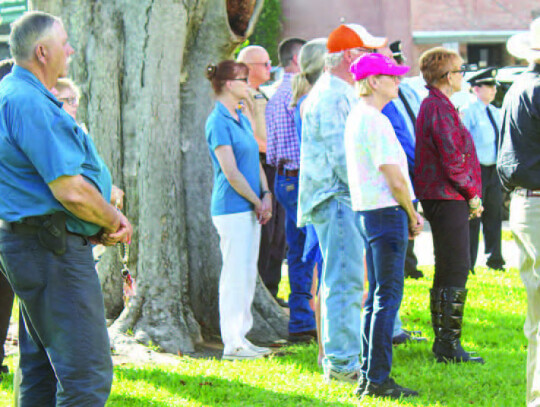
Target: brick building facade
478,29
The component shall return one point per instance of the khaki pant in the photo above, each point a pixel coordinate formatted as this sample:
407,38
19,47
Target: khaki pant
525,225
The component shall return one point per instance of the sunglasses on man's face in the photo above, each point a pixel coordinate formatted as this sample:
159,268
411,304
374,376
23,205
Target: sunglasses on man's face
267,64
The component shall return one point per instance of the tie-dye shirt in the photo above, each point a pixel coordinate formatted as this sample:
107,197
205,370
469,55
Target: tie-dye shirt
370,141
323,168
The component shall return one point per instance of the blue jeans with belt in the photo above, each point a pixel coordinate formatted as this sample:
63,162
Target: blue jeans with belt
342,284
302,317
65,357
385,233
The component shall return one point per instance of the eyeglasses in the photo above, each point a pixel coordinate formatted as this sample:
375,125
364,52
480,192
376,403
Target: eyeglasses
240,79
72,101
267,64
461,71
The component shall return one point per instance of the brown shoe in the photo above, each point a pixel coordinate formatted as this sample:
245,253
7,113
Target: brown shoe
302,337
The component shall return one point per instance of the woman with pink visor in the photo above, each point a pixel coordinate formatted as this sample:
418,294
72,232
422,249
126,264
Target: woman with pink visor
382,192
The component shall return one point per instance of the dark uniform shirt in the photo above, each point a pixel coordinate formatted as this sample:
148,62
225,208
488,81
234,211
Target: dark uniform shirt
518,163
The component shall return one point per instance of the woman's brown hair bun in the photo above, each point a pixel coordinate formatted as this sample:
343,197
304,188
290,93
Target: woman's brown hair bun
225,71
211,71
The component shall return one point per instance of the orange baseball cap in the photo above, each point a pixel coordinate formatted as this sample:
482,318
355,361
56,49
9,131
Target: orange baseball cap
348,36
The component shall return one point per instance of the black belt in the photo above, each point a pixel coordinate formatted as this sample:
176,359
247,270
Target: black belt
20,228
28,226
50,230
288,173
527,192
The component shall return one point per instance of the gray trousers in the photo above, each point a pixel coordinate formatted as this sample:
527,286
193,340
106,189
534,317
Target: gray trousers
65,355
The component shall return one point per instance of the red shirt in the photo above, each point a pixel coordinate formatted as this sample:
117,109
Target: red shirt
446,165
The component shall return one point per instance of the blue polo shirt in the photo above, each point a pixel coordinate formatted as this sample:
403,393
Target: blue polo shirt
39,142
402,123
403,134
224,130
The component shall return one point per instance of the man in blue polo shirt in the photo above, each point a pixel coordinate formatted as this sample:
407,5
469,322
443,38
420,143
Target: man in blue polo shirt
54,193
402,112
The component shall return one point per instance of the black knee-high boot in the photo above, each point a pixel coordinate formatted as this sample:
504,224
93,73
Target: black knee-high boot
449,305
436,313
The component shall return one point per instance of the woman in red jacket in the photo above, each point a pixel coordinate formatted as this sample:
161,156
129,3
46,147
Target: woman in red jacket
447,182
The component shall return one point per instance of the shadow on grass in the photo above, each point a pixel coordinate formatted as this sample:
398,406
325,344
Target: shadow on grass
209,390
134,401
304,355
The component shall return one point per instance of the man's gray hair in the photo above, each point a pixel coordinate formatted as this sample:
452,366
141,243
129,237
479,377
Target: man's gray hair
331,60
26,31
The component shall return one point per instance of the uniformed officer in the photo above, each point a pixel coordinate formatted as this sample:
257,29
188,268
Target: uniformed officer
483,121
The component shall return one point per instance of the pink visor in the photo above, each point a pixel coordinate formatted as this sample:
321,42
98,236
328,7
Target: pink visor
376,64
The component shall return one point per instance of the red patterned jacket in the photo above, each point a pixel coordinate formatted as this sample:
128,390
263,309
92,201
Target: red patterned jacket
446,165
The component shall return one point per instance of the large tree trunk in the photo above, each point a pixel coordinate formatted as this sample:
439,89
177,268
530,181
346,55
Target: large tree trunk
141,69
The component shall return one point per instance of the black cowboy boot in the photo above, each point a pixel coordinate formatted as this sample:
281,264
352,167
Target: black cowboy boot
436,314
447,346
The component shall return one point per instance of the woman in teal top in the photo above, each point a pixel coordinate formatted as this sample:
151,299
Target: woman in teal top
240,203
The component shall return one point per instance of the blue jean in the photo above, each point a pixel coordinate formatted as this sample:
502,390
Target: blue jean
385,233
342,285
302,317
398,326
65,357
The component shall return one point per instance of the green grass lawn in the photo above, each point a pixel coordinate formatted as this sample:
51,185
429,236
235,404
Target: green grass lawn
505,235
493,327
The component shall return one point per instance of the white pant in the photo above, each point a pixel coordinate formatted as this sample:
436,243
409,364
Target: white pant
525,225
240,236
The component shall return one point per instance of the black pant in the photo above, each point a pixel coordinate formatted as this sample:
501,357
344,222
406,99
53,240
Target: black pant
449,221
491,219
272,249
6,304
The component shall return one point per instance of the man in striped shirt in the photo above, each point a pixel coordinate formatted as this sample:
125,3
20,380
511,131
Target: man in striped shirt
283,152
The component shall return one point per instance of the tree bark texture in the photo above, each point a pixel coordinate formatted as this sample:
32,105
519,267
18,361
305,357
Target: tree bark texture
141,69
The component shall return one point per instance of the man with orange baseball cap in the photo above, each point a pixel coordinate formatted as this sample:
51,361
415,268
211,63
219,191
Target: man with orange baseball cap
352,36
324,201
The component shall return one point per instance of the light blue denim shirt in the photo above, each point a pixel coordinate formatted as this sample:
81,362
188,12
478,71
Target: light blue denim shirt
323,166
475,118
